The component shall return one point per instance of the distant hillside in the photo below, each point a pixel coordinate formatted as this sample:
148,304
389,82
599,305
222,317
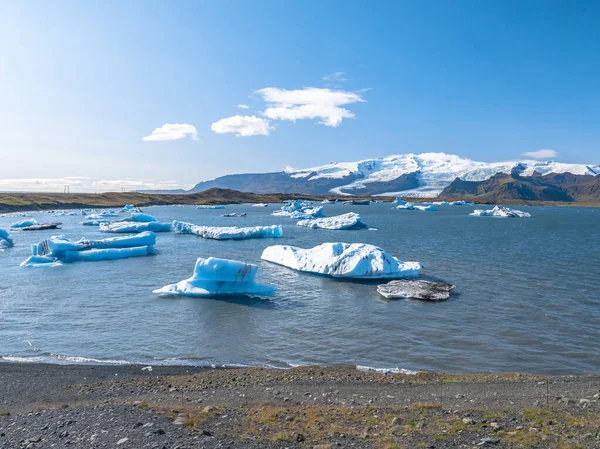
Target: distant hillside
407,175
565,187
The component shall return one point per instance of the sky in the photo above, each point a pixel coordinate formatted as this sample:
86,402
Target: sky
105,95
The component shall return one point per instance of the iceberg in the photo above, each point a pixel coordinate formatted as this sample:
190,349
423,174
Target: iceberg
299,209
130,208
343,260
25,223
132,226
338,222
227,232
459,203
138,218
210,206
234,214
5,241
58,249
219,277
412,206
500,211
260,205
425,290
95,222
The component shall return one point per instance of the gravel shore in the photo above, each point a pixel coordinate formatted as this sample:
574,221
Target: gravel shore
185,407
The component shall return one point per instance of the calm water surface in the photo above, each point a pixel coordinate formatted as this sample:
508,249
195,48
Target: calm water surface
527,297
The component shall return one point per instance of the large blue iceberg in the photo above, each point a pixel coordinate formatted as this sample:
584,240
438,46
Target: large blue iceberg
343,260
227,232
5,241
219,277
25,223
58,249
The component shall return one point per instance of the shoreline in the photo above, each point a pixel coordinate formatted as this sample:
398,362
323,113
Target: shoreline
36,202
98,406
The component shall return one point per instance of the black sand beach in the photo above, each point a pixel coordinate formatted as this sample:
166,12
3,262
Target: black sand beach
187,407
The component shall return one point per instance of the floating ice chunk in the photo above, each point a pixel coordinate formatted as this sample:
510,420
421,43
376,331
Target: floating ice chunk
338,222
234,214
325,202
24,223
299,209
441,203
459,203
219,277
210,206
426,208
138,218
227,232
5,241
95,222
130,208
425,290
500,211
399,200
314,212
260,205
131,226
355,260
58,249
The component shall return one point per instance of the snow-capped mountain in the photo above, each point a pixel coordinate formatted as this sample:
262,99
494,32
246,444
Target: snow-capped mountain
425,174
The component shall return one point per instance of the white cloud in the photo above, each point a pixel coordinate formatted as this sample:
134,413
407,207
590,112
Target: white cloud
242,126
243,106
173,131
541,154
336,77
80,184
309,103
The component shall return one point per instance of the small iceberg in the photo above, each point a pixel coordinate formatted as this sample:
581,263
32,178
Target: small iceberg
58,249
210,206
500,211
219,277
361,202
343,260
338,222
138,218
424,290
95,221
5,241
25,223
130,208
459,203
399,200
260,205
234,214
41,226
228,232
133,226
299,210
412,206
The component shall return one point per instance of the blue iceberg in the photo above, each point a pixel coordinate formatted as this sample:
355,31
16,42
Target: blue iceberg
5,241
338,222
219,277
26,222
227,232
133,226
58,249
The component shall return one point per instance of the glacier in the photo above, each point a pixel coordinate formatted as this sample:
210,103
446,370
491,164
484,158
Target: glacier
133,226
342,260
500,211
434,171
25,223
227,232
415,289
5,241
58,249
219,277
350,220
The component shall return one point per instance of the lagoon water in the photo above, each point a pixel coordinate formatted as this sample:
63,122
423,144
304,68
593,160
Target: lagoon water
527,297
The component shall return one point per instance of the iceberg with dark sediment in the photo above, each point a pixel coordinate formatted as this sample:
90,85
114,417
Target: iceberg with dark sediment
338,222
134,226
343,260
25,223
58,249
501,212
415,289
219,277
5,241
228,232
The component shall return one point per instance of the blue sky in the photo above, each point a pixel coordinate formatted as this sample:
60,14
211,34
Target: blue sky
82,83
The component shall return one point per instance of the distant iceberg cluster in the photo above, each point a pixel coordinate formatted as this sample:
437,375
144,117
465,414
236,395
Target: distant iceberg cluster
5,241
338,222
219,277
58,249
210,206
501,212
227,232
300,210
342,260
